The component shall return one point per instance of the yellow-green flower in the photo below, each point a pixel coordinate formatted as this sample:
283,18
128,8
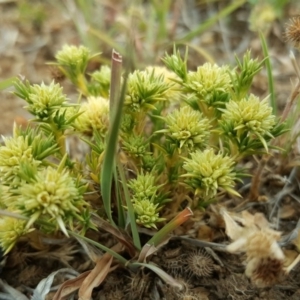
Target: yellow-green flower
145,89
207,172
210,83
146,213
11,229
43,100
262,16
187,127
53,196
248,117
143,187
15,152
173,93
101,82
95,116
73,57
136,146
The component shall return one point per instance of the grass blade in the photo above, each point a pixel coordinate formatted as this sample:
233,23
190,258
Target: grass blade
6,83
121,212
131,215
269,72
211,21
116,101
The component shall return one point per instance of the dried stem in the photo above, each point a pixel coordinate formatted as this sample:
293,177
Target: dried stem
116,70
256,180
295,92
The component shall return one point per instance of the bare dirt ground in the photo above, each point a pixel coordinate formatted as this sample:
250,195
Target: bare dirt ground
27,43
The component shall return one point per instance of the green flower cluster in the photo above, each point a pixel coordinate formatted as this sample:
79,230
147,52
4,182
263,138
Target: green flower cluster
248,119
94,115
211,85
44,195
187,128
136,146
147,213
24,148
145,89
73,58
146,199
43,100
207,172
15,152
11,230
52,195
100,82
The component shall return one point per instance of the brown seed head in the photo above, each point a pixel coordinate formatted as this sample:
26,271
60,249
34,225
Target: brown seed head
200,263
292,32
267,272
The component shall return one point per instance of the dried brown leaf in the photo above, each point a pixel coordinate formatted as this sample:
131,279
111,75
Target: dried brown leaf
70,286
96,277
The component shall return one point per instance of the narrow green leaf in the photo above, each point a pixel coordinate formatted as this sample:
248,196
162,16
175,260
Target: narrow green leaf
112,139
121,213
269,71
4,84
131,215
211,21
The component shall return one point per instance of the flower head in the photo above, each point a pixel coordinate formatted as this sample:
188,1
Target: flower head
136,146
143,187
73,57
262,16
101,81
11,229
145,89
95,116
173,93
248,117
187,127
207,172
16,152
210,83
52,195
146,213
260,243
292,31
43,100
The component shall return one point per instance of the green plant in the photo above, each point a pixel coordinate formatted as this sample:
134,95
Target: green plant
179,133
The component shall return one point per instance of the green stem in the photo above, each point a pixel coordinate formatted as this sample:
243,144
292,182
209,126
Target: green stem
81,84
270,73
131,215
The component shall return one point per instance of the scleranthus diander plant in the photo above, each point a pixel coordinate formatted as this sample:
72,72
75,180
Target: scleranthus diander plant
171,146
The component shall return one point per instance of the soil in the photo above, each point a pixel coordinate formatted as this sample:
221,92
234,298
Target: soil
30,39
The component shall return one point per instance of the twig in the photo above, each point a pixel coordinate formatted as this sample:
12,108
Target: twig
256,180
295,92
285,191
